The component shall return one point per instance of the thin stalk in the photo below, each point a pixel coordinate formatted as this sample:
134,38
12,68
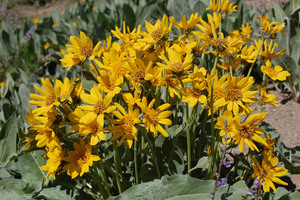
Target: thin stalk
98,181
153,154
136,163
103,175
255,58
117,166
188,134
89,71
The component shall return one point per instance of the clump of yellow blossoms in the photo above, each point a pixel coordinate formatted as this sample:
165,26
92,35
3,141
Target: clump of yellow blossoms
137,81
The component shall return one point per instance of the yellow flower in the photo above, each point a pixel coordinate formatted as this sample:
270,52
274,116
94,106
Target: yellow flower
268,150
176,63
126,125
54,157
46,45
56,24
186,25
195,95
93,9
74,24
82,47
248,131
221,7
95,128
80,160
154,117
109,83
268,28
267,98
246,30
98,106
275,74
48,98
62,52
238,92
225,122
156,33
2,84
172,84
36,20
268,53
248,54
66,89
267,172
208,29
45,135
69,60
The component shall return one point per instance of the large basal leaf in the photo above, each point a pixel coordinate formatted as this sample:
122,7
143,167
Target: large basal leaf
182,187
29,165
8,138
12,189
55,193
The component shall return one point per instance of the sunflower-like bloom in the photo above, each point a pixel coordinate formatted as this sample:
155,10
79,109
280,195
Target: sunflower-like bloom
80,160
176,63
54,158
194,95
93,128
269,150
66,89
98,106
186,25
246,30
275,74
69,61
155,117
48,98
109,83
82,47
126,125
268,28
268,52
267,172
248,131
156,33
248,54
238,93
221,7
208,28
128,38
267,98
225,122
45,135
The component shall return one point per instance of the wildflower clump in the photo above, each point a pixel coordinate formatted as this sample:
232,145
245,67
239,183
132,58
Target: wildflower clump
150,81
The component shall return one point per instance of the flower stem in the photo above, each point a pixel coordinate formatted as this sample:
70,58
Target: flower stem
136,163
103,175
117,166
153,154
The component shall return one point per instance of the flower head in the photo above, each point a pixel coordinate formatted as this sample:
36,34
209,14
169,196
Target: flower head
275,74
80,160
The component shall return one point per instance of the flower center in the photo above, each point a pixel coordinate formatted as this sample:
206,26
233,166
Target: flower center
86,51
196,92
128,124
138,76
235,94
50,99
221,42
172,82
177,65
99,108
246,131
81,159
156,35
217,94
152,116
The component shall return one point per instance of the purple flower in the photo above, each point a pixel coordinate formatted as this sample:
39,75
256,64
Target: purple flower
226,164
251,192
212,195
222,182
4,9
29,34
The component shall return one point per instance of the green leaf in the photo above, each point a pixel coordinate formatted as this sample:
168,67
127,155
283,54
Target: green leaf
55,193
182,187
279,14
8,138
11,189
128,16
296,52
29,165
202,162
